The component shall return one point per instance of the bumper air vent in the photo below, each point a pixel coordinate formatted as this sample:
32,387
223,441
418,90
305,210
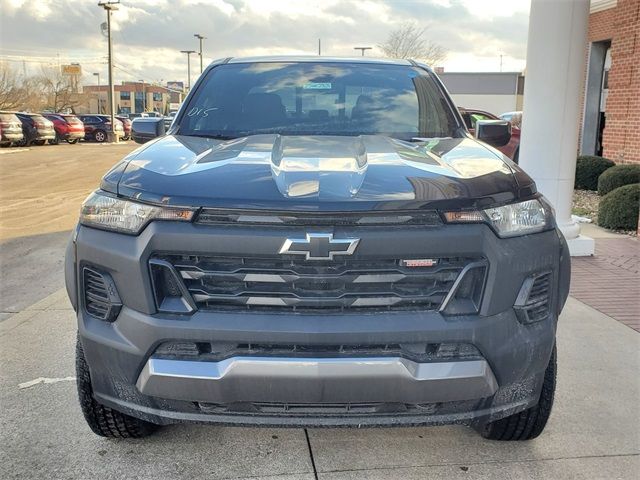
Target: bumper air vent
101,299
170,294
534,300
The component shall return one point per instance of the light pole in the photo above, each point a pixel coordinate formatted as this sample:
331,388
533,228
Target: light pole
200,37
362,49
188,52
110,7
144,97
96,74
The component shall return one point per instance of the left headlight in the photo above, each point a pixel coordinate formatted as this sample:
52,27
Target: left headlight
512,220
111,213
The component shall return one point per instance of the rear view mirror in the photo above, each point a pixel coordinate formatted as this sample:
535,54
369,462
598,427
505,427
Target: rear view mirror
144,129
494,132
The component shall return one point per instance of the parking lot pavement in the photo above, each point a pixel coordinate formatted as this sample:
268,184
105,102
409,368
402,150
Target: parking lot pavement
41,188
594,431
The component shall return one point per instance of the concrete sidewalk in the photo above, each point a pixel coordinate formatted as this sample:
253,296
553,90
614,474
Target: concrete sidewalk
594,431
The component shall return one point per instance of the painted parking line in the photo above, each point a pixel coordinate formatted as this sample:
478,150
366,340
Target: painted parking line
13,150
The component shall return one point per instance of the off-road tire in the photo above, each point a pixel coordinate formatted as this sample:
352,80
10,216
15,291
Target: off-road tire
103,420
530,423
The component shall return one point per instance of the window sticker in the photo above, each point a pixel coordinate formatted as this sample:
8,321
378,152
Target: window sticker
317,86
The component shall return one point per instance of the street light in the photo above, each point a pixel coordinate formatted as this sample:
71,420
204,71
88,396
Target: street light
200,37
110,7
96,74
188,52
362,49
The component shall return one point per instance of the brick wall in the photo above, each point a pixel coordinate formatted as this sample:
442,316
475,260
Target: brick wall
621,137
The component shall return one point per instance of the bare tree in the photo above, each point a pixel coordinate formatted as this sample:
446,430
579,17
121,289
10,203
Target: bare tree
408,41
57,90
13,91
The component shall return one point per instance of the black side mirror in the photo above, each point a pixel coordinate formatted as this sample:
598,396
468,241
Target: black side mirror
494,132
144,129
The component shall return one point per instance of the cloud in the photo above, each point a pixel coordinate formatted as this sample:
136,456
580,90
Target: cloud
148,34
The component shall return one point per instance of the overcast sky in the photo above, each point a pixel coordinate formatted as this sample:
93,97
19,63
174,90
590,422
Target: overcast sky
150,33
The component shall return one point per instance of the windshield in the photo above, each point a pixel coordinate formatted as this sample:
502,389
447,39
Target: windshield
318,99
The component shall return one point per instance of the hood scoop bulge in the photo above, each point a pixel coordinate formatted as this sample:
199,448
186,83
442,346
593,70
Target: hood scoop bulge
330,167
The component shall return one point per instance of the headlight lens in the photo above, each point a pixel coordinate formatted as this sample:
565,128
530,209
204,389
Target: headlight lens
509,220
125,216
517,218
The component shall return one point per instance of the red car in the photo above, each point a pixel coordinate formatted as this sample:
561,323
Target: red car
68,127
471,116
126,123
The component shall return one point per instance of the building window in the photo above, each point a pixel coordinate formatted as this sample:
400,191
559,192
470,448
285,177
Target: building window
125,95
157,97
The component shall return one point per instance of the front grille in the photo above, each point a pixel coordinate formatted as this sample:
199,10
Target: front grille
211,216
100,296
258,283
534,301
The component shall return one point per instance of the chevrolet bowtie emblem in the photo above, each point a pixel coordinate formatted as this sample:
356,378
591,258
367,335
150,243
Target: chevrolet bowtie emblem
319,246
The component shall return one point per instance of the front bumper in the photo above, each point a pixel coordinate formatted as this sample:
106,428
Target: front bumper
320,390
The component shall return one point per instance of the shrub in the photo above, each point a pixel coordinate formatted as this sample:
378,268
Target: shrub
618,176
588,169
619,209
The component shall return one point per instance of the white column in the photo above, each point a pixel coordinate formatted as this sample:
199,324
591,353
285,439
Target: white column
552,103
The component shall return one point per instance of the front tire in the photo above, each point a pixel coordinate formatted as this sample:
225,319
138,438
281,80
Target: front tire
103,420
39,143
73,141
530,423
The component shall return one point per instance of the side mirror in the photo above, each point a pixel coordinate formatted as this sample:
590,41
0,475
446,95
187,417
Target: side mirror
494,132
144,129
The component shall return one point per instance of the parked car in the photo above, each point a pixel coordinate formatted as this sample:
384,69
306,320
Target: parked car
36,129
514,117
471,116
11,129
68,128
317,242
137,115
126,124
96,127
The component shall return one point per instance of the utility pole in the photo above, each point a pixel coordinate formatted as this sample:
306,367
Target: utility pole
110,7
362,49
319,48
501,55
97,74
188,52
200,37
144,97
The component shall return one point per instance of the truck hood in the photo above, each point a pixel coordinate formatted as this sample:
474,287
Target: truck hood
318,173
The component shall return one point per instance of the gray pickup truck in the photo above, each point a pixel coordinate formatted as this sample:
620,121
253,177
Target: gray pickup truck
317,242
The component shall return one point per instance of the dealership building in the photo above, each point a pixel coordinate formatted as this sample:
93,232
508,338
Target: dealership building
611,115
130,97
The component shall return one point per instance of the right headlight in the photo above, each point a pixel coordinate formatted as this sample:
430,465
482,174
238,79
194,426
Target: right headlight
512,220
121,215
